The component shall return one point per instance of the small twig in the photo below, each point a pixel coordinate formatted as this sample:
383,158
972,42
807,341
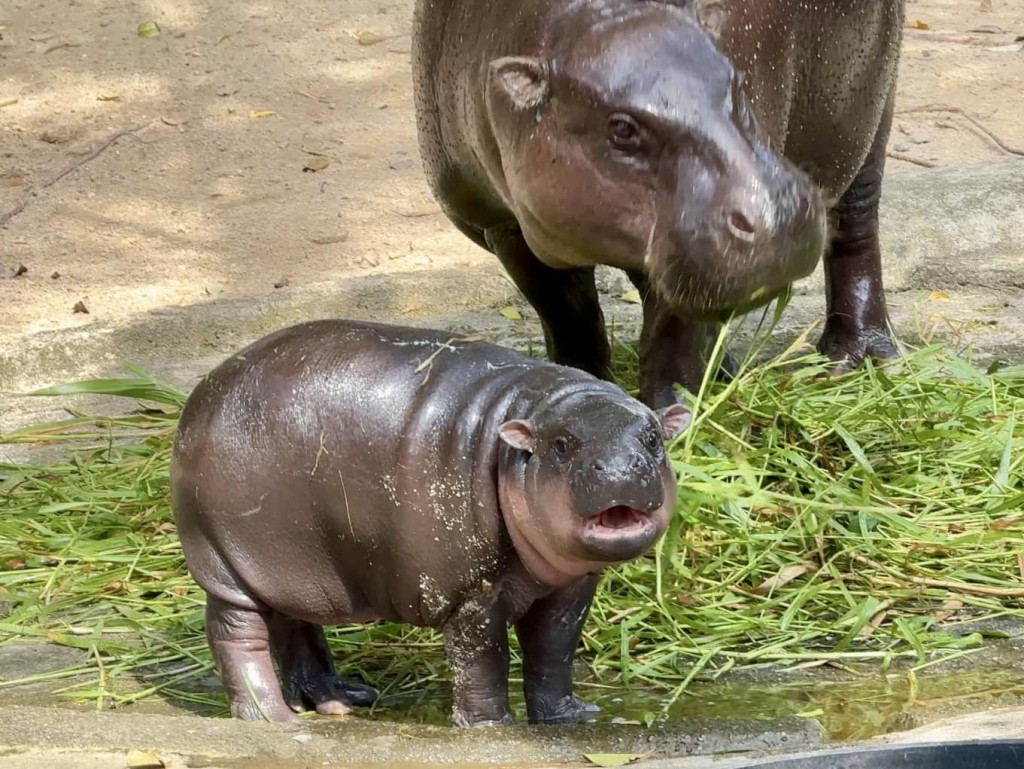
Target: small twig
962,587
938,37
910,159
975,125
92,155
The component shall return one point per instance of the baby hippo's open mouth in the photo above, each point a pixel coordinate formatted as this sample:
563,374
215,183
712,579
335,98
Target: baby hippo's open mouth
620,532
619,519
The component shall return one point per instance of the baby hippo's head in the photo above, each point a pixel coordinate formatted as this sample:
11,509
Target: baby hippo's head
589,483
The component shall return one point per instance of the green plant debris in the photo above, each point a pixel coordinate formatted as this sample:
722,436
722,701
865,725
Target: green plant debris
840,520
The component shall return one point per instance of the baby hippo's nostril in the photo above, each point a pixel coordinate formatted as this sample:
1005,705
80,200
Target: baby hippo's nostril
740,226
599,466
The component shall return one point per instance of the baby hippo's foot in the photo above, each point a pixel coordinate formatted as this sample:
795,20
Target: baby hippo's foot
566,710
360,694
250,710
328,694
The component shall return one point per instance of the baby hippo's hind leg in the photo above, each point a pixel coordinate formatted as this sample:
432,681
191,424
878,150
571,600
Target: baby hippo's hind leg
239,639
308,673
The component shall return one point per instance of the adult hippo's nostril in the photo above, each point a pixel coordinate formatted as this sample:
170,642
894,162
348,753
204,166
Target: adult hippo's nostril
740,226
598,465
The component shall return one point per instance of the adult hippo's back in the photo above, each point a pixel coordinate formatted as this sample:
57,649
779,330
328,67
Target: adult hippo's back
703,147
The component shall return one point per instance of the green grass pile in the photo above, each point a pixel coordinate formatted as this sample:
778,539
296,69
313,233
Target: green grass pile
860,518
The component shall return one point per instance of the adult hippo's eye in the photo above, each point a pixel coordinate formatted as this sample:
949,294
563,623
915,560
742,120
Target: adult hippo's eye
624,132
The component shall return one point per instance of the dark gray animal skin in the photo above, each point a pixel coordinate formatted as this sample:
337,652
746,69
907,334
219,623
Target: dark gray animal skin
701,146
339,472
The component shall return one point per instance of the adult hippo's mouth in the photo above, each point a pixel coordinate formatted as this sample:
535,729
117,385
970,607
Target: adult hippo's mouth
620,532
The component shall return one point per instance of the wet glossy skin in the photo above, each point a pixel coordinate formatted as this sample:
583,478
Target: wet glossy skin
339,472
704,148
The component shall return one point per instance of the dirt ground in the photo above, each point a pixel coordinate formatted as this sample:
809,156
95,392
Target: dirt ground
212,137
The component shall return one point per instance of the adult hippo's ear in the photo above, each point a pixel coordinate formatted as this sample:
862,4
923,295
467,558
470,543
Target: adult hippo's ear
523,80
674,419
518,433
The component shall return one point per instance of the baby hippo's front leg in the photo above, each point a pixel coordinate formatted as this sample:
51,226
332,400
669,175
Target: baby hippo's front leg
548,634
476,645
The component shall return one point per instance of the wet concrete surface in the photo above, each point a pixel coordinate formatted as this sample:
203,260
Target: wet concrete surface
758,712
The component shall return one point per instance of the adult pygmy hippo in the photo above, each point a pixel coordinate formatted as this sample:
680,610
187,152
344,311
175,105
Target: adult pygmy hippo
665,138
338,472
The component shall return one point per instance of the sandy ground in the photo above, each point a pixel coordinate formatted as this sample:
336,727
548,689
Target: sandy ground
209,190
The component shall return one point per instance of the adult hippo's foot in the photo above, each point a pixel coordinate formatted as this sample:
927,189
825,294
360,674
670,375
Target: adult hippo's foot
857,324
673,350
307,670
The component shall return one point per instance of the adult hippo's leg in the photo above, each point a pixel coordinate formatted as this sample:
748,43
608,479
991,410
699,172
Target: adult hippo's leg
476,646
239,639
857,323
548,634
308,673
672,350
565,300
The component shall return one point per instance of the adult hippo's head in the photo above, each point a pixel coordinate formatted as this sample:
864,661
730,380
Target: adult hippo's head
588,482
632,143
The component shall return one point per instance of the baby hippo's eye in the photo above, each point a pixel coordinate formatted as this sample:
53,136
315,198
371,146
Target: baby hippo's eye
652,440
560,445
623,132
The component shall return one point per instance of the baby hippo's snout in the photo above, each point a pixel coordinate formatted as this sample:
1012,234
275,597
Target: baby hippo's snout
620,500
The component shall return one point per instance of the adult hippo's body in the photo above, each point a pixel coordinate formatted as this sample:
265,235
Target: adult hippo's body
337,472
712,150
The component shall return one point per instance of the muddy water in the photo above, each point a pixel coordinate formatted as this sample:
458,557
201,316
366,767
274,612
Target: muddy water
852,703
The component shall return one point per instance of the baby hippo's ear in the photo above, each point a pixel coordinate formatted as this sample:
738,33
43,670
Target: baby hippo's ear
523,80
518,433
674,419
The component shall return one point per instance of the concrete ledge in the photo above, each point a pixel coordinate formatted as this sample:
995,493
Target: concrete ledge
358,741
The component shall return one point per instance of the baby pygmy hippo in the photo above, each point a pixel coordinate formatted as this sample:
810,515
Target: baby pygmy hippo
340,472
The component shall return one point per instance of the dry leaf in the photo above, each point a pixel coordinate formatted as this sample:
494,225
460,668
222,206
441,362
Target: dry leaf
369,37
986,5
149,29
786,575
917,24
613,759
938,296
948,609
9,273
633,297
140,759
8,103
956,528
1007,523
80,306
108,97
316,163
989,29
511,313
261,113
